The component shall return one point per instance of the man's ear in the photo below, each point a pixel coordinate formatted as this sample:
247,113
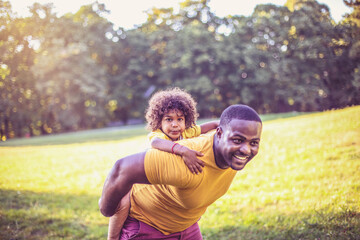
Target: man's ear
219,132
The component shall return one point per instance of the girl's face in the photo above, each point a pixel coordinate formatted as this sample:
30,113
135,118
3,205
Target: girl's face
173,124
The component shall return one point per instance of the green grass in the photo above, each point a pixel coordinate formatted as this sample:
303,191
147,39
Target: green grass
51,192
304,184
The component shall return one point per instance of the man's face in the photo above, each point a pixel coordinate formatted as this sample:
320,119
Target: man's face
237,143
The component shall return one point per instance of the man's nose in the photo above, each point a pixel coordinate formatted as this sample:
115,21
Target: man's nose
245,149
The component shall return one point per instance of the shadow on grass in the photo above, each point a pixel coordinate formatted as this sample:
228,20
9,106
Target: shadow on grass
30,215
322,224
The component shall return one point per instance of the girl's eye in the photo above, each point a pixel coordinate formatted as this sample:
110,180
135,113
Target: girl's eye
168,119
180,119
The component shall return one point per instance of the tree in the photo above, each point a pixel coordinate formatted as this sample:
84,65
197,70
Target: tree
76,71
18,97
253,59
354,16
319,49
189,63
353,19
135,70
70,73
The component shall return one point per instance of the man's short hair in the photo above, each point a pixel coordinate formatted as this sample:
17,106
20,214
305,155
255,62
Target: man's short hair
239,111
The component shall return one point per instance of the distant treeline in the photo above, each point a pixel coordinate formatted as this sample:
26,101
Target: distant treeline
76,71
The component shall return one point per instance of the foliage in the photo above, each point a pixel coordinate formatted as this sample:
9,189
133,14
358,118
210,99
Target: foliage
352,20
72,72
304,184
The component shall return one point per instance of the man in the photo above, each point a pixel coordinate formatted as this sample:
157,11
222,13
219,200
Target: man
170,199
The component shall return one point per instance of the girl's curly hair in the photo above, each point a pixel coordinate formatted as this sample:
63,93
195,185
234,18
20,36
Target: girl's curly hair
164,101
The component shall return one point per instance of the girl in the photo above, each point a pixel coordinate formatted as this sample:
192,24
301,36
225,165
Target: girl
171,116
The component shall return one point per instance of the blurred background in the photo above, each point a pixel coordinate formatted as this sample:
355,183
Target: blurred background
76,70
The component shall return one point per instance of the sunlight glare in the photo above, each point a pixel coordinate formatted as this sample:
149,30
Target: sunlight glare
128,14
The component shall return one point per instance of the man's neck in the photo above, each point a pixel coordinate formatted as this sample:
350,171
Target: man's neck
216,154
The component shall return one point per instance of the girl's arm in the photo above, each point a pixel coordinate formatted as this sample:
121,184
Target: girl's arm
205,127
189,156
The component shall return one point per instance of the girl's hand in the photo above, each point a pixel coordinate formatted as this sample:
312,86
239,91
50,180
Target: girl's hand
189,156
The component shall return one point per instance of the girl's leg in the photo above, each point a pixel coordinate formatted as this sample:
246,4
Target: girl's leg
116,222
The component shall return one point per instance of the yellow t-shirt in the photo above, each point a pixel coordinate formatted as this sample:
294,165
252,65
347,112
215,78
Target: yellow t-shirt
193,131
176,198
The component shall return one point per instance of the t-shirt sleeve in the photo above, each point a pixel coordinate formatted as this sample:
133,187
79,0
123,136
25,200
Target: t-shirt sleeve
159,134
169,169
191,132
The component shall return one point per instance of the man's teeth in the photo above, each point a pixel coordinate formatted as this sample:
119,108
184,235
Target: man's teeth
241,157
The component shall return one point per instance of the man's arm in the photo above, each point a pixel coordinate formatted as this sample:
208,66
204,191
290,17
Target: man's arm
125,172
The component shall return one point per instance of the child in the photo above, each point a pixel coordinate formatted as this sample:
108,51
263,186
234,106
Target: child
171,116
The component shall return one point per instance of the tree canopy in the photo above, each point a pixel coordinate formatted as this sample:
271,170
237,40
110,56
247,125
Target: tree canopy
77,71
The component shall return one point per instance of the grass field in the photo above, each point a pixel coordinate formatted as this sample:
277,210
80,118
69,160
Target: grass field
304,184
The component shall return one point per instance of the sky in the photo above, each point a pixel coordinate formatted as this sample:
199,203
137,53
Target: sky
128,13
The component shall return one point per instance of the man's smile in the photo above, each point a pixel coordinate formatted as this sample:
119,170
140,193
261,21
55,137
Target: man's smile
241,158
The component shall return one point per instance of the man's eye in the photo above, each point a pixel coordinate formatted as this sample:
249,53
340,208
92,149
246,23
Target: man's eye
254,143
237,140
